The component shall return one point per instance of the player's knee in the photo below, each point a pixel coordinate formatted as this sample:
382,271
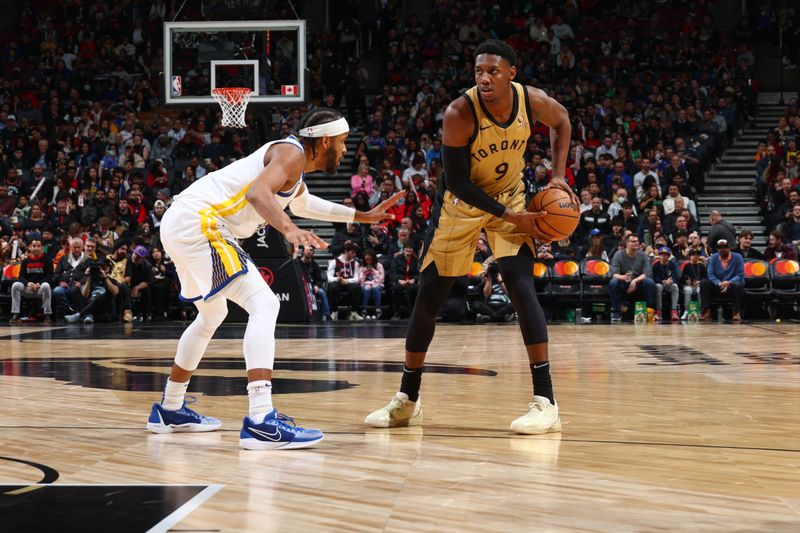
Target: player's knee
263,304
210,316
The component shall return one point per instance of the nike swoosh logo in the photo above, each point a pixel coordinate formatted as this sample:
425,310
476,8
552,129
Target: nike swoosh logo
269,436
486,127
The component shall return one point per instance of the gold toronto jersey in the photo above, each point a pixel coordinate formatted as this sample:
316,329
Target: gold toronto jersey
496,150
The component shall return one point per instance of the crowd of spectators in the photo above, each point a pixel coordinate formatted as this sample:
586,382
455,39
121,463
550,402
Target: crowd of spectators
654,90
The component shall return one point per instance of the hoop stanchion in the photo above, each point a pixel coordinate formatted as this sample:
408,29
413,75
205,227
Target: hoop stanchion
233,101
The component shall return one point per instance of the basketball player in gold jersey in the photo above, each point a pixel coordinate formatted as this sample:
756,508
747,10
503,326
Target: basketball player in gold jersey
486,133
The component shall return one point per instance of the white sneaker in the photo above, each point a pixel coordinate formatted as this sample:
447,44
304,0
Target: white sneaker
71,319
400,412
542,418
335,315
88,320
355,316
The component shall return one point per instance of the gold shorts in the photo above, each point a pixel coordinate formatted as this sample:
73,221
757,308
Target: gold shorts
459,226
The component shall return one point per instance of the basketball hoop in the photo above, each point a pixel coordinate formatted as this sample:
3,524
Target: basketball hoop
233,101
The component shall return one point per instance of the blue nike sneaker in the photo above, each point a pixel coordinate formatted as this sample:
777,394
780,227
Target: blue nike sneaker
276,432
183,420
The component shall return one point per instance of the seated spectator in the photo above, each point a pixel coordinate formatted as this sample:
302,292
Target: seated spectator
371,277
631,274
404,275
693,273
776,249
791,229
680,250
665,276
353,233
141,280
545,252
496,303
616,206
95,300
313,275
164,280
343,281
745,248
35,276
696,243
121,273
629,219
594,218
650,199
566,249
69,275
596,250
377,239
725,277
669,201
362,181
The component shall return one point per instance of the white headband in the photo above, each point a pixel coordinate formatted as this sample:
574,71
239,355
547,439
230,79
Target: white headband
328,129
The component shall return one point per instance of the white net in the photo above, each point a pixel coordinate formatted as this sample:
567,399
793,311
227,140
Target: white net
233,101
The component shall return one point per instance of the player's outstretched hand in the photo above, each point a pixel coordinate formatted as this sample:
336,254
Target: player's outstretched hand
301,237
561,183
378,213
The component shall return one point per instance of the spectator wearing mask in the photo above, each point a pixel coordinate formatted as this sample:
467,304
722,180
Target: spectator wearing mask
693,273
343,281
665,276
371,277
616,206
35,276
313,275
631,273
725,277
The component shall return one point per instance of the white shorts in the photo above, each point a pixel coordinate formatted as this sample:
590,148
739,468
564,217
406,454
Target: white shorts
206,256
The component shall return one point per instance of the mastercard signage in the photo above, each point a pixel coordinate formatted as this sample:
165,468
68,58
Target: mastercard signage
755,269
787,267
539,270
566,268
596,268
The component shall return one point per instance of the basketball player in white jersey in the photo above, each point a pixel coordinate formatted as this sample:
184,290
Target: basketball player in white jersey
199,232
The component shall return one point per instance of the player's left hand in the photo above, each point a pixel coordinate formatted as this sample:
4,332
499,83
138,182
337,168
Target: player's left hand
378,213
561,183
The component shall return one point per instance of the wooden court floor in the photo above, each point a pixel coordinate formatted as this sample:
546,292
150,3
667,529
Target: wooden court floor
665,428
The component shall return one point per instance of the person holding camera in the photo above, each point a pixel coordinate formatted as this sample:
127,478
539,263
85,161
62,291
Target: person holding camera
96,297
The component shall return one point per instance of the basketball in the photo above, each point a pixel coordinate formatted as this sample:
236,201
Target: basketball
562,217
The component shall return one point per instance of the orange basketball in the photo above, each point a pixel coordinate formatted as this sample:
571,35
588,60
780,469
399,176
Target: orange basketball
562,217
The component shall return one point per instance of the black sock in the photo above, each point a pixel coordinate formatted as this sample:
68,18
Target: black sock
542,386
409,384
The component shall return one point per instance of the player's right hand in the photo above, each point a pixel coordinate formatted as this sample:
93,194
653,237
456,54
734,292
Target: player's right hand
301,237
524,220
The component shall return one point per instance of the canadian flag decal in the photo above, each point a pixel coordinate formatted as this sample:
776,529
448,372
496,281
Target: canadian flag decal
290,90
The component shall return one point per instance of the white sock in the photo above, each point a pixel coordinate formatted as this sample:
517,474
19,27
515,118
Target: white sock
260,396
173,395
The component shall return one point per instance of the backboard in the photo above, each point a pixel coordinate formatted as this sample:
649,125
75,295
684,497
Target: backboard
267,56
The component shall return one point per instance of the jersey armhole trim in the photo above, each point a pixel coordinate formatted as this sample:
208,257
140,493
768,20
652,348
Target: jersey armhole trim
471,104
